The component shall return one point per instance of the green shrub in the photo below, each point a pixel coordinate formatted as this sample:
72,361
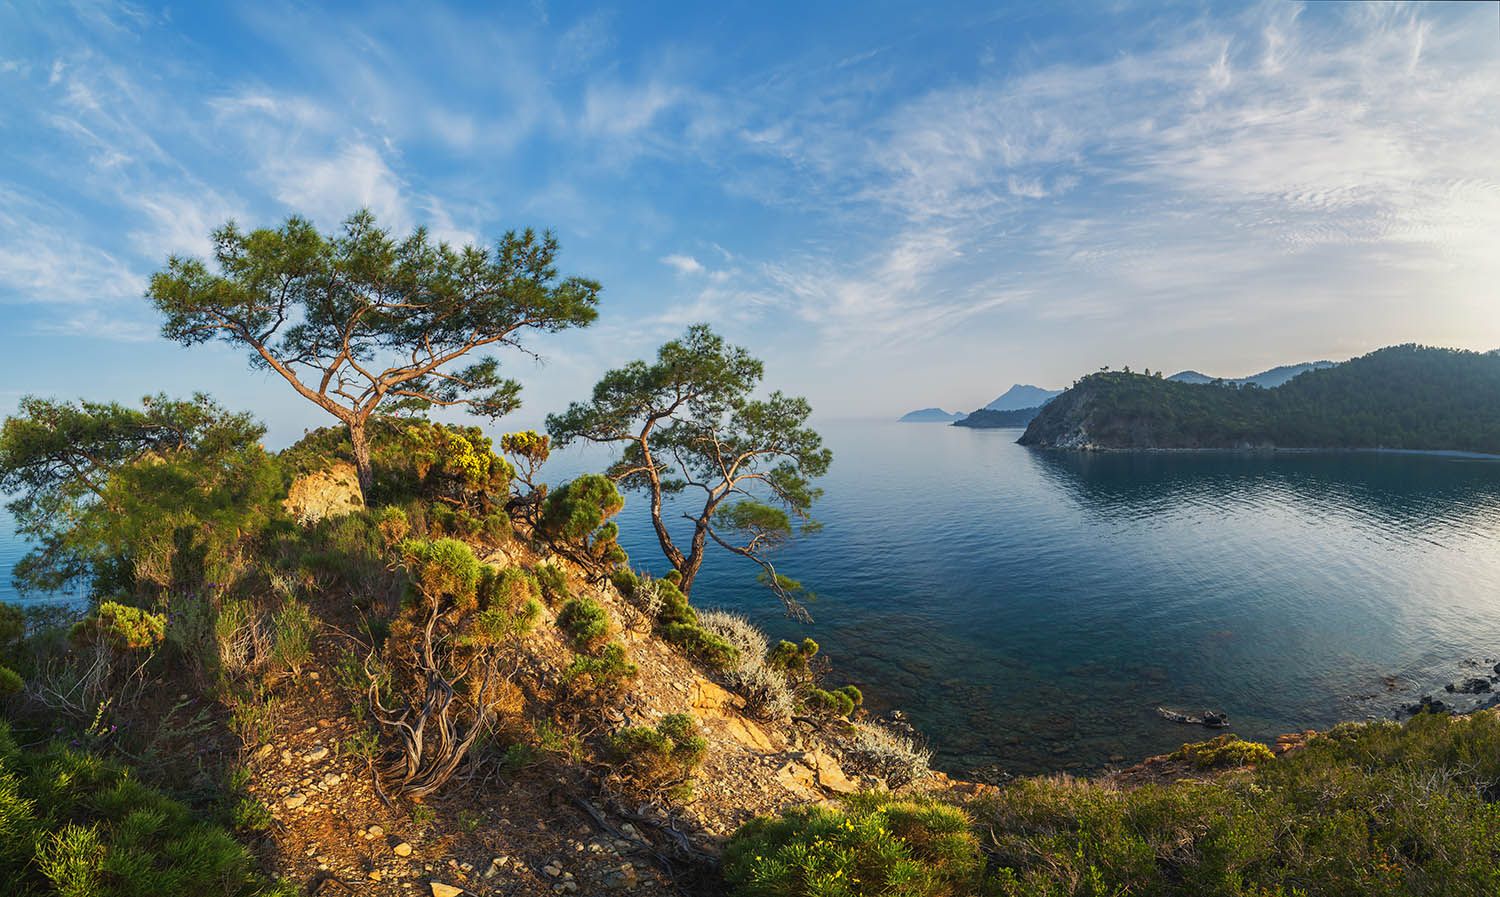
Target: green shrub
10,681
122,627
674,606
510,587
874,844
708,647
841,702
678,623
554,583
1225,750
12,626
664,757
793,659
586,623
74,825
442,568
393,524
576,517
291,635
601,678
499,624
625,581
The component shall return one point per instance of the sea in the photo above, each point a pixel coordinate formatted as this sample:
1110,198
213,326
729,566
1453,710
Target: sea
1030,610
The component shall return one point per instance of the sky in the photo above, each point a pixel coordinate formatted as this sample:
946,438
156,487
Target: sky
894,205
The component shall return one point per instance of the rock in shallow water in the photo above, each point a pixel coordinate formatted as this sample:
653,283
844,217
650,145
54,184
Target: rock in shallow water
1472,686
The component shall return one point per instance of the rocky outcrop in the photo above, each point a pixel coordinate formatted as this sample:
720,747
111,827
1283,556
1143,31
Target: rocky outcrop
331,492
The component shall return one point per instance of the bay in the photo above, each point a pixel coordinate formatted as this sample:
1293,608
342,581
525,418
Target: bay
1032,609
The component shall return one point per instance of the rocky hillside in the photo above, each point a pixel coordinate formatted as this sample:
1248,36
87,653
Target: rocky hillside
554,816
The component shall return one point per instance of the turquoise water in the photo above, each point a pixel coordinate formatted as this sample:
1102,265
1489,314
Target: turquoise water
1031,610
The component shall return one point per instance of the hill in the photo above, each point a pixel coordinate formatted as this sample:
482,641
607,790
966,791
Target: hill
1402,397
931,416
1022,395
986,419
1265,379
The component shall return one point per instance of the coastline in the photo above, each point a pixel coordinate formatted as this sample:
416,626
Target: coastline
1456,454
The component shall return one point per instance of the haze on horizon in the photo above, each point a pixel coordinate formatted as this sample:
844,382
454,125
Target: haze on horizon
895,209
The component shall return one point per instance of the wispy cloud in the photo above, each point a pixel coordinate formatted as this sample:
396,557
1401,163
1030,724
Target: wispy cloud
94,324
1230,155
683,264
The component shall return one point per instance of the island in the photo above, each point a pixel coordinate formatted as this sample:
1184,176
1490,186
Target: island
931,416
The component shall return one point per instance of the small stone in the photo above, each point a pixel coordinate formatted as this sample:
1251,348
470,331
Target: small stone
330,779
295,801
552,870
444,890
402,850
374,831
623,877
314,756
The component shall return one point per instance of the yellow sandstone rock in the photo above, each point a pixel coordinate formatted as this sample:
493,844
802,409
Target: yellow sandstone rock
333,492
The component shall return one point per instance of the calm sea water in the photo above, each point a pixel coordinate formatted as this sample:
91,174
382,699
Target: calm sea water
1031,609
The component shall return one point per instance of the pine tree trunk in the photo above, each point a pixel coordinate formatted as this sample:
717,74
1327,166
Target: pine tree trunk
361,444
690,564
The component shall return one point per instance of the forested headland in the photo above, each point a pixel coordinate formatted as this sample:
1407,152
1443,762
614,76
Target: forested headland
1403,397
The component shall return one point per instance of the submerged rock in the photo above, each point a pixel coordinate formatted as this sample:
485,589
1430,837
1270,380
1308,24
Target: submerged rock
1471,686
1428,704
1209,718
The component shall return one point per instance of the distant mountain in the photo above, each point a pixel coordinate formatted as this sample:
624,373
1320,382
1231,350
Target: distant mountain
986,419
1023,396
931,416
1402,397
1265,379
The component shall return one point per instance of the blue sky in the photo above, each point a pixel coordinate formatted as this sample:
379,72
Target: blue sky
895,205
